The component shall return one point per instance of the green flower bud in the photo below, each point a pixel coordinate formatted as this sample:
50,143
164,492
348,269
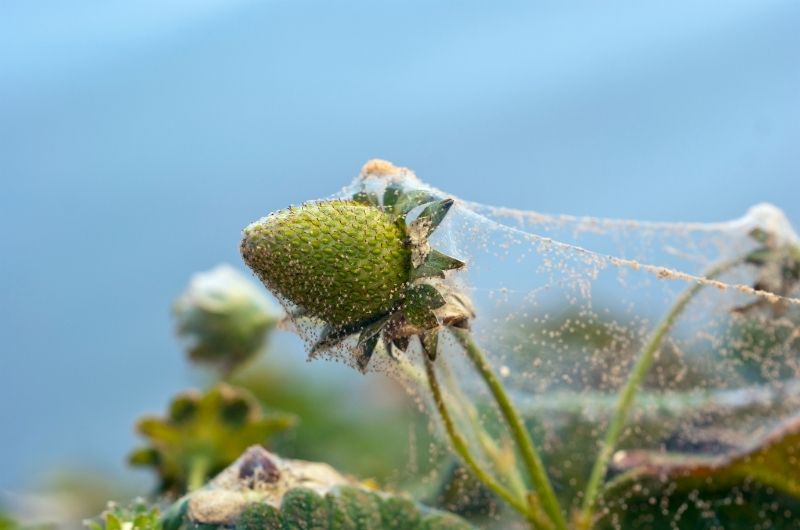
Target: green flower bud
224,318
777,258
340,261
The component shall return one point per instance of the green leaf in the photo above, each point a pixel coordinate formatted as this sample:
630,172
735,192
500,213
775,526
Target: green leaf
444,521
146,456
754,487
362,507
136,516
175,515
310,496
398,513
330,337
259,516
430,218
773,460
113,522
435,264
303,509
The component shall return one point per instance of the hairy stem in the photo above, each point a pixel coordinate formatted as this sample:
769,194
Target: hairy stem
628,392
503,460
461,448
520,434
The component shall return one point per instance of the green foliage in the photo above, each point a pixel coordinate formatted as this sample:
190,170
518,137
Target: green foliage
444,521
398,513
259,516
345,508
743,507
461,493
341,430
304,509
6,523
773,461
202,434
224,318
137,516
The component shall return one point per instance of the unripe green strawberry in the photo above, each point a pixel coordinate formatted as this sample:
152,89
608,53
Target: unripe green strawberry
342,261
360,269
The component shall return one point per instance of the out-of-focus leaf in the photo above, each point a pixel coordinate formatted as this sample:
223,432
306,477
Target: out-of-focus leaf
6,523
754,487
299,495
774,461
139,515
349,429
460,492
206,431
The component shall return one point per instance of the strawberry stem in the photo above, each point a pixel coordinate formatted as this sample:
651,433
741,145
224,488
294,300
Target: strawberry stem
520,434
461,448
628,393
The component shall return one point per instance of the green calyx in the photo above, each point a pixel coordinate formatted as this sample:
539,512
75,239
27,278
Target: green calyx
778,264
360,268
202,434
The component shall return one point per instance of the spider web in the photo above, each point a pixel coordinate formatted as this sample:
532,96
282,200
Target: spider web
565,305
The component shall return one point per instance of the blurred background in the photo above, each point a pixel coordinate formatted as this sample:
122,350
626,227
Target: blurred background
138,138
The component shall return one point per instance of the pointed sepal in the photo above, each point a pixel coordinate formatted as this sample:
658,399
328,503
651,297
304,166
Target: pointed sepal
434,265
331,336
760,235
401,343
430,343
368,340
759,256
410,200
430,218
420,302
391,195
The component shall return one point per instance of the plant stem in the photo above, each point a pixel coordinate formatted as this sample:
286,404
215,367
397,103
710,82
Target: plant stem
462,449
628,392
198,469
519,432
504,464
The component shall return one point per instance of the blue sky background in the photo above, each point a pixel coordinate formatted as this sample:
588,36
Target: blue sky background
138,138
